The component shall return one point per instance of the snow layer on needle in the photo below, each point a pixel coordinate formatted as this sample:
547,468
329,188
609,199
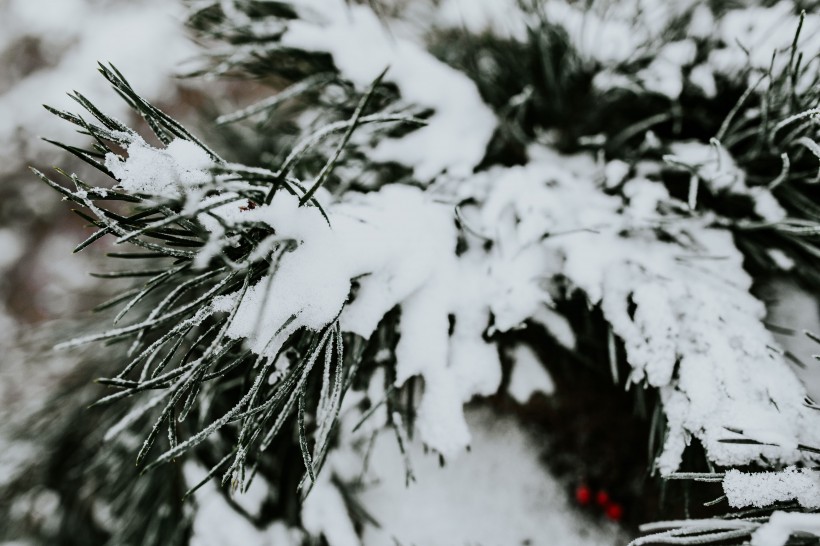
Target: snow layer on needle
162,172
389,241
309,287
399,246
761,489
683,309
461,126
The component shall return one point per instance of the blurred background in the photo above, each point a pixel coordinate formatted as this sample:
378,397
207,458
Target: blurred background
47,49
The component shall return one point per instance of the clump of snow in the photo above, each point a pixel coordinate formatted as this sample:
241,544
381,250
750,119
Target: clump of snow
644,196
716,167
310,285
457,134
762,489
782,525
664,74
528,375
216,523
162,172
400,247
701,22
614,172
364,239
556,325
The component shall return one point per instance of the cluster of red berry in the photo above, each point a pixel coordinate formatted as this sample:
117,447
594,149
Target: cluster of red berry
612,510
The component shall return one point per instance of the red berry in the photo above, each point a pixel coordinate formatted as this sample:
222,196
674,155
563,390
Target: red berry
614,511
583,495
602,498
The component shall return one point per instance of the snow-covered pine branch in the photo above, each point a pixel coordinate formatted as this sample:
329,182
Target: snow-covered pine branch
291,294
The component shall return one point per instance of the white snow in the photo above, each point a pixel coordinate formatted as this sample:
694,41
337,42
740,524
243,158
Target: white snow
703,78
556,325
498,494
529,375
702,22
456,136
324,514
782,525
215,523
400,246
614,172
614,32
683,309
364,239
716,167
695,331
750,35
503,18
780,259
664,73
761,489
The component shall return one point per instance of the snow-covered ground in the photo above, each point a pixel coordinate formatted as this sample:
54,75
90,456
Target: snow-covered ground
497,494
